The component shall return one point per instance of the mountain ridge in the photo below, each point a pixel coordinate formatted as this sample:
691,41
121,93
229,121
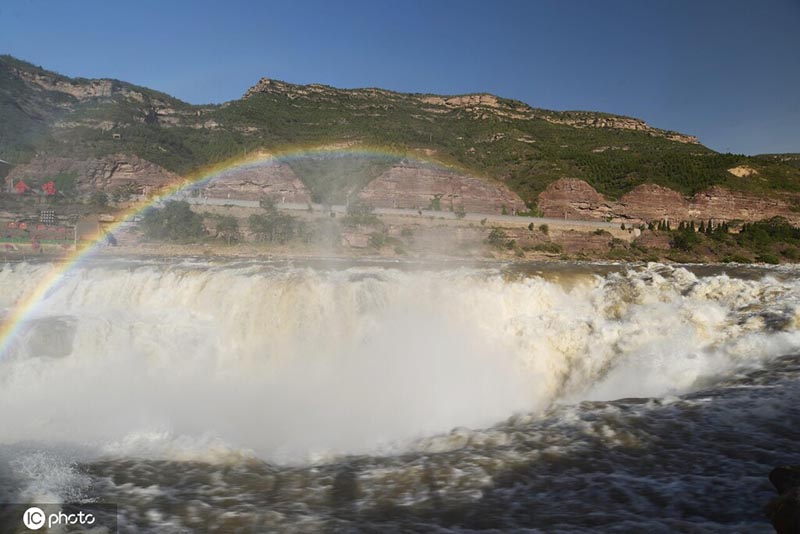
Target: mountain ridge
42,112
483,100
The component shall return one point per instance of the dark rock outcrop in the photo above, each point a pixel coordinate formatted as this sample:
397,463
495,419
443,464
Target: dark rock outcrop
784,511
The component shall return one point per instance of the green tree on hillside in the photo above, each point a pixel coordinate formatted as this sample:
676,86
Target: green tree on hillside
273,227
228,228
685,239
98,199
174,222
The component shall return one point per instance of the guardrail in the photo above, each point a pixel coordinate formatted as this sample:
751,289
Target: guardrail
405,212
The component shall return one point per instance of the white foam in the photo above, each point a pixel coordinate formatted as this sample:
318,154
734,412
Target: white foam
187,362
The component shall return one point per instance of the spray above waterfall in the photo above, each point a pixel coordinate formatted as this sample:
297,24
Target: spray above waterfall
24,308
288,362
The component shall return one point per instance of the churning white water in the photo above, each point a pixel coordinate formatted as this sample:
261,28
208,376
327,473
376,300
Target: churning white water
287,362
222,363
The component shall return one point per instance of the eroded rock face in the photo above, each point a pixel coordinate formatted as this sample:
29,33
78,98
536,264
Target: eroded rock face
480,106
743,171
477,104
649,202
272,179
83,90
413,186
571,198
731,205
592,120
97,174
91,89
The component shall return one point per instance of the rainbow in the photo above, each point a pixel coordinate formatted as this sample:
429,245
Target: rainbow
31,302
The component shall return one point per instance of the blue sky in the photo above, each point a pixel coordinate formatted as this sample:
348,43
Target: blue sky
727,71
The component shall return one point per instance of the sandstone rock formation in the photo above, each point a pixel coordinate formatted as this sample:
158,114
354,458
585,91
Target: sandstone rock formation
480,106
97,174
101,88
147,106
569,198
416,186
737,205
582,119
272,179
743,171
649,202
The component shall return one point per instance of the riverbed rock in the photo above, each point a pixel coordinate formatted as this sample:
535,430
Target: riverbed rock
784,511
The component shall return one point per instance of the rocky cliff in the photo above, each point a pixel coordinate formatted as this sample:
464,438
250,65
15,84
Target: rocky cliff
97,174
102,88
578,119
514,146
419,186
481,106
272,179
570,198
412,185
576,199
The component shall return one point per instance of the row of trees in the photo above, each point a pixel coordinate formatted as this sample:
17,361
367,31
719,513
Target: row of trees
178,223
707,228
763,238
274,227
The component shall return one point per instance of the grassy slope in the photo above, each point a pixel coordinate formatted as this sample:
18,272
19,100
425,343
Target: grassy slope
278,118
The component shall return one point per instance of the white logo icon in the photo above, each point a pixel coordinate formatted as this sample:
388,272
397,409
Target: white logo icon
33,518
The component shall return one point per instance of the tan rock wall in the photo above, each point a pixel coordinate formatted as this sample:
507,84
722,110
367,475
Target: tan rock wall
720,203
415,186
103,174
274,180
573,199
579,200
650,202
